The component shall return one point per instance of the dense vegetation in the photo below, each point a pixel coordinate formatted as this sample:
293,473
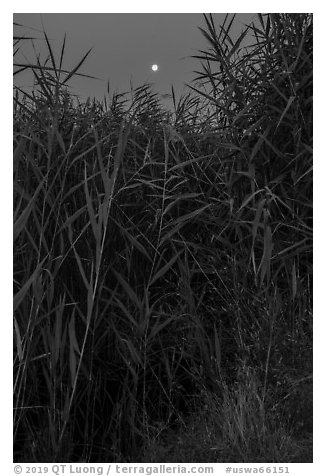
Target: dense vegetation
163,260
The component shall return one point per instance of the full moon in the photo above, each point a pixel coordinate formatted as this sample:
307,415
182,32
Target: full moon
154,67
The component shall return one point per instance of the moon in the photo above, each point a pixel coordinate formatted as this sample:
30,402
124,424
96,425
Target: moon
154,67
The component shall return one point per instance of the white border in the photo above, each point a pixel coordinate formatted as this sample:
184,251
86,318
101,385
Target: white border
7,11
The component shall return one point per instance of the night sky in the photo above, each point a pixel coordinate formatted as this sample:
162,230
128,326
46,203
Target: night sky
124,47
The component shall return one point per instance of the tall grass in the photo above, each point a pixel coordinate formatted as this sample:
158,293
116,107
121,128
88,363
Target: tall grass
163,260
